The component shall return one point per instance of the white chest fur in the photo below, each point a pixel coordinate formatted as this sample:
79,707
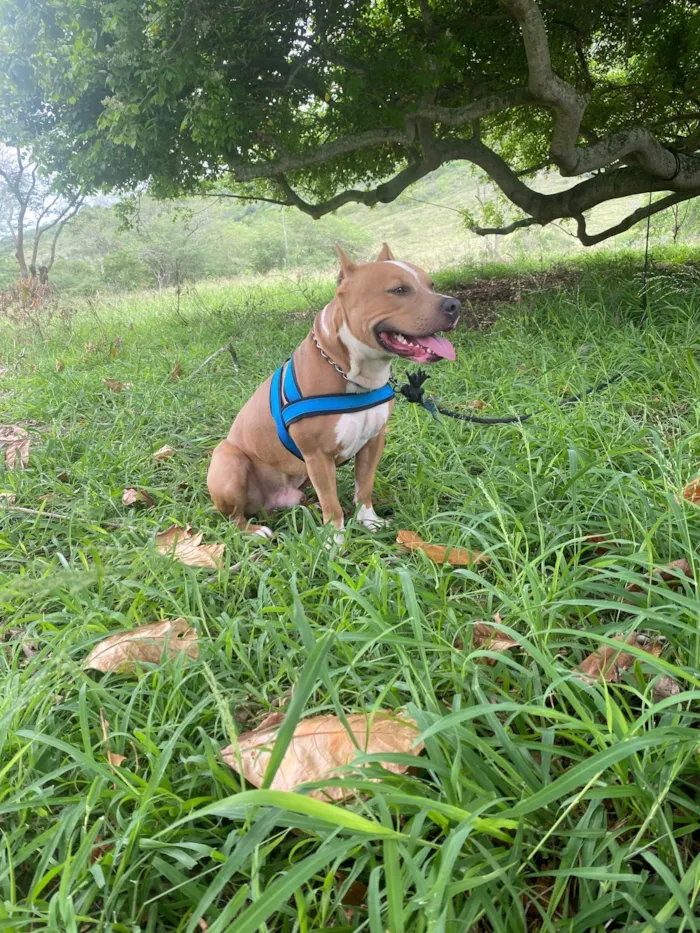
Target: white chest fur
353,430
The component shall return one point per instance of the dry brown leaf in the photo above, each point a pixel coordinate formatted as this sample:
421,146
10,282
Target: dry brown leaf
457,556
113,758
488,637
145,644
184,545
665,686
478,405
91,348
165,453
691,491
666,574
133,496
607,661
47,497
320,746
100,849
14,439
604,542
115,386
176,372
7,498
60,366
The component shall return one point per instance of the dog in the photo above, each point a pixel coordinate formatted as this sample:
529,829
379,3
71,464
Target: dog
331,401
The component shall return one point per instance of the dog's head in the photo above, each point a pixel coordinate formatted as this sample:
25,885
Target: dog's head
392,309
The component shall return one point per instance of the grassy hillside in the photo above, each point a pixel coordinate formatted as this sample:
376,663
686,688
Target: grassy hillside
208,239
542,802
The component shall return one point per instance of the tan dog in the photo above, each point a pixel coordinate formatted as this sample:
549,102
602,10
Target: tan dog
381,310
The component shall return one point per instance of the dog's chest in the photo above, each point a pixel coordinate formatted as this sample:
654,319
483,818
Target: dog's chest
354,429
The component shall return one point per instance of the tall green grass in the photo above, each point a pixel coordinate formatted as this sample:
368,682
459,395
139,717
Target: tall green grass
541,802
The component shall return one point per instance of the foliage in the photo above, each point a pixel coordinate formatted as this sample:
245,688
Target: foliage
184,93
601,778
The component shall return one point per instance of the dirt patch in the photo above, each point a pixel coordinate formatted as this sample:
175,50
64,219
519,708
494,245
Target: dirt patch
481,298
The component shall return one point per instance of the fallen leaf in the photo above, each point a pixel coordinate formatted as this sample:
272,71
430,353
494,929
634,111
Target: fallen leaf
176,372
133,496
91,348
100,849
486,636
669,574
665,686
15,441
7,498
604,543
165,453
47,497
115,386
320,746
691,491
184,545
63,477
607,661
478,405
113,351
113,758
145,644
457,556
60,366
3,371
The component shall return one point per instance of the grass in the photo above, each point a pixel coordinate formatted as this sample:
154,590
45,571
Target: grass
598,784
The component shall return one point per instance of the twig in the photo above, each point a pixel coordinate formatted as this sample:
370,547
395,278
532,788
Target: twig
231,350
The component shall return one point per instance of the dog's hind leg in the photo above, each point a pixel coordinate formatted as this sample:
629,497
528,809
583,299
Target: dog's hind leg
229,481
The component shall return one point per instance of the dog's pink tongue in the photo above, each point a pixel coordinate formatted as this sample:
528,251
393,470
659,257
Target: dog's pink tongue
440,346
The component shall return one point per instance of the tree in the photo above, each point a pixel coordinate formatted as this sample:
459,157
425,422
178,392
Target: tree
30,208
316,103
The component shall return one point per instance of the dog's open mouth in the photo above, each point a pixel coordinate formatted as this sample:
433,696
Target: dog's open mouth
428,349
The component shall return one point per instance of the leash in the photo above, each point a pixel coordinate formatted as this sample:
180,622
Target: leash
414,392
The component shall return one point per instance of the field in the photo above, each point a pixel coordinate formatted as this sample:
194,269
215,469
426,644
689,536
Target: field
543,801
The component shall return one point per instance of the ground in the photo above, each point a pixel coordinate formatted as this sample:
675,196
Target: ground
542,801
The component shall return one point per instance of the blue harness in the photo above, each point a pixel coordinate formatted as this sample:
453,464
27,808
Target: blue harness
288,404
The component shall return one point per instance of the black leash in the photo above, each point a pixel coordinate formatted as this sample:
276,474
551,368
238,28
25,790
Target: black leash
414,392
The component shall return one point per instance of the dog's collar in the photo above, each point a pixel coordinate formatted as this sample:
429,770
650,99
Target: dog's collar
335,366
327,358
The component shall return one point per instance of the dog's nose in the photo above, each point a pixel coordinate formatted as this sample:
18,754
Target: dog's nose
450,306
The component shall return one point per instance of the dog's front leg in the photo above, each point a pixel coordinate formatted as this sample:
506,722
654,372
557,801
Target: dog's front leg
366,464
321,470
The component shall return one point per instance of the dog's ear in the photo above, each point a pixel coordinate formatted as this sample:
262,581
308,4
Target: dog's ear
346,265
386,254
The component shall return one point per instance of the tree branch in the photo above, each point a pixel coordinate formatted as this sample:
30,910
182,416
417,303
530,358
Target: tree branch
382,194
568,107
504,231
590,239
457,116
293,161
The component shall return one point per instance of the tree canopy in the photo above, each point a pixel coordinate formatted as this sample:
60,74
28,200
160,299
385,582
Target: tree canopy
316,103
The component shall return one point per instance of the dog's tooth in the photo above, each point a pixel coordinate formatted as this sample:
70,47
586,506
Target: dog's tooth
401,338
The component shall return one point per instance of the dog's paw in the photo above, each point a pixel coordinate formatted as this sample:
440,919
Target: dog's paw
264,532
368,517
336,540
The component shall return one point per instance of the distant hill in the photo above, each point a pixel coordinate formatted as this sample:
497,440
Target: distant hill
201,238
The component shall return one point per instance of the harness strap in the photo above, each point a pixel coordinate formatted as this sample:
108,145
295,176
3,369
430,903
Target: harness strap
277,409
289,406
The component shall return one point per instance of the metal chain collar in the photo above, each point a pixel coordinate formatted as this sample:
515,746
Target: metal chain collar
329,360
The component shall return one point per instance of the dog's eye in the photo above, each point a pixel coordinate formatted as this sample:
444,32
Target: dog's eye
400,290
